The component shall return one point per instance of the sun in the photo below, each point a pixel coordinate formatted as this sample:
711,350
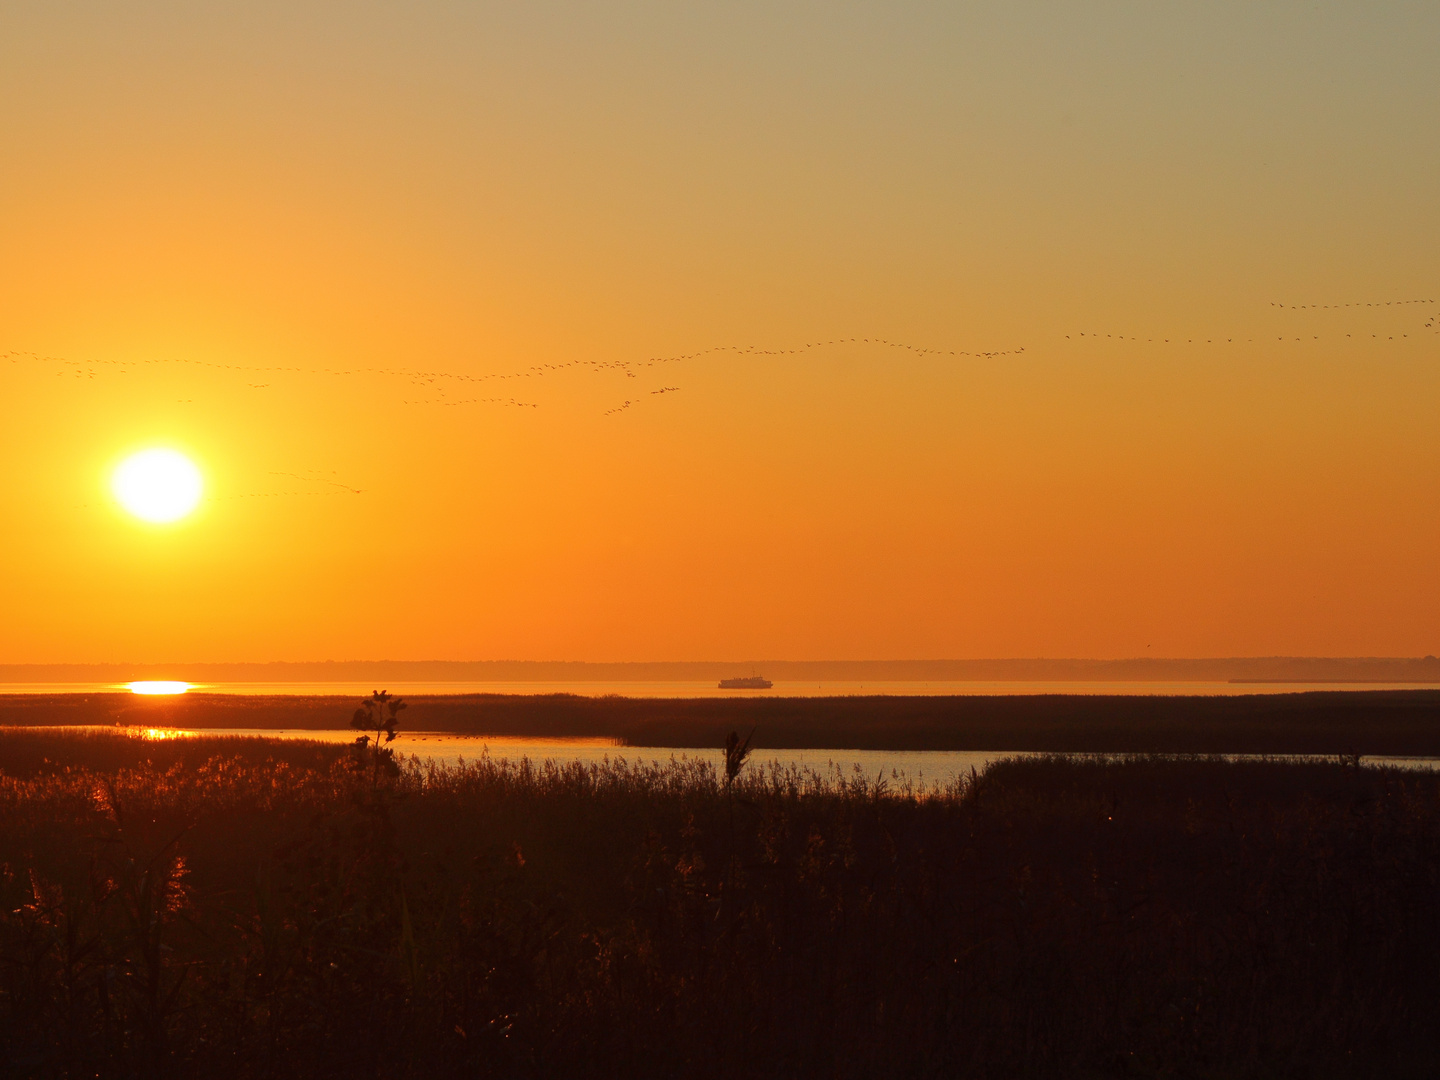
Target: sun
158,485
157,688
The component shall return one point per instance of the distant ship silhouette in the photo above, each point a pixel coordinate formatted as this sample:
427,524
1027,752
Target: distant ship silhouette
750,682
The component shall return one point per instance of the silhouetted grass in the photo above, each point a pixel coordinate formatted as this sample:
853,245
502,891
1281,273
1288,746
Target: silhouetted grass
25,752
240,915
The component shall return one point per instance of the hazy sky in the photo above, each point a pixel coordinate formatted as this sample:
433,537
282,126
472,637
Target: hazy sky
239,230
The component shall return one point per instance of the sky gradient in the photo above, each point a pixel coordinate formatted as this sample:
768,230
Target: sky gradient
1143,301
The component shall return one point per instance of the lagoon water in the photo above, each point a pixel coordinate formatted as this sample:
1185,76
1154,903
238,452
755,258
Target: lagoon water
921,768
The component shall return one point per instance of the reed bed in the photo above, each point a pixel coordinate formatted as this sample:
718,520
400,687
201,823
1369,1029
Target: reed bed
204,908
27,751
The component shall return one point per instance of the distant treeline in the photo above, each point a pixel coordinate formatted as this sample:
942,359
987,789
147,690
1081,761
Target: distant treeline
1222,669
221,909
1402,722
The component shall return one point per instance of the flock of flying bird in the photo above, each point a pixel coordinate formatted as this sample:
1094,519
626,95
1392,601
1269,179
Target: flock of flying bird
628,368
1093,334
1333,307
511,402
1431,324
438,384
626,404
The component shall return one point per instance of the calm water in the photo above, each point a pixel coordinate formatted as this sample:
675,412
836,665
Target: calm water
924,768
921,767
709,689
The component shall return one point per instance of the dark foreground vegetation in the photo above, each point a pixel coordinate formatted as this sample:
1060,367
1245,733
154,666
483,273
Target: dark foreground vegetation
206,908
1382,722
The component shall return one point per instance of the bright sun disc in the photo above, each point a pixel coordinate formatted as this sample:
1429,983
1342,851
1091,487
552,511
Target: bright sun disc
158,687
157,485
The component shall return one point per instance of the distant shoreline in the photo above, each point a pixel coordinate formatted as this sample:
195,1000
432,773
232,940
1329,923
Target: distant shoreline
1014,669
1286,682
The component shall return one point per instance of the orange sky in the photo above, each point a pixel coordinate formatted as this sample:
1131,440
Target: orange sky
238,230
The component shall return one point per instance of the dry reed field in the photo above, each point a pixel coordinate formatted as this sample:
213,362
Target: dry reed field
242,908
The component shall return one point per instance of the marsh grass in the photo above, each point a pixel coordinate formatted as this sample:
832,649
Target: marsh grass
28,751
229,911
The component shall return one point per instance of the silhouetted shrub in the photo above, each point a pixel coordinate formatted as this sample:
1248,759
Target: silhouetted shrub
377,716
